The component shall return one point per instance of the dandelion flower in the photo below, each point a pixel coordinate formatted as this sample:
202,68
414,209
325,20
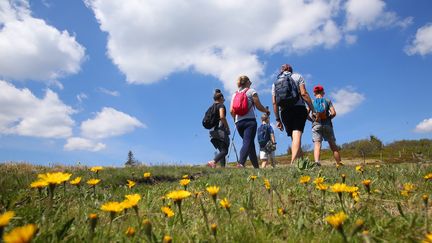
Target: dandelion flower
366,182
39,184
281,211
93,182
185,177
408,187
304,179
22,234
75,181
428,176
130,231
5,218
319,180
359,168
336,220
178,196
339,187
213,228
321,187
130,183
267,184
225,203
253,177
428,238
168,212
55,178
425,198
112,207
213,191
147,175
167,239
184,182
405,193
93,216
96,169
131,200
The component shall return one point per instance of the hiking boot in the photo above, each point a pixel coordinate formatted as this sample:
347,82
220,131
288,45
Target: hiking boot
211,164
317,164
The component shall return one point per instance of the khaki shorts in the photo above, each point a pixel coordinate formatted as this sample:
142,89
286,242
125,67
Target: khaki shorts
323,132
266,156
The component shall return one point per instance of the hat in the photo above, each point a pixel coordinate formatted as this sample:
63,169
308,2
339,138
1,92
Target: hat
286,67
318,88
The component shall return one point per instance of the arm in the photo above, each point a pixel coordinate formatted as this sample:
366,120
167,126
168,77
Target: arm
258,104
306,97
332,111
276,112
272,137
232,111
223,119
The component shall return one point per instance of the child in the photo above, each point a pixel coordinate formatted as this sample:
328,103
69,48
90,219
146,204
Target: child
322,127
267,142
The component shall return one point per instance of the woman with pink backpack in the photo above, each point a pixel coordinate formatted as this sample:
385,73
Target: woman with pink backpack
242,110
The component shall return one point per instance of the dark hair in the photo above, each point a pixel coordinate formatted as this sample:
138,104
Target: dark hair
286,67
243,80
217,94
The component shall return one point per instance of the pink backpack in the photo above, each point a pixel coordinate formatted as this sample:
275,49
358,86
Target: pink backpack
240,103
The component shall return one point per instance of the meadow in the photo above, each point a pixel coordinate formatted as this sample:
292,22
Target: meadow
363,203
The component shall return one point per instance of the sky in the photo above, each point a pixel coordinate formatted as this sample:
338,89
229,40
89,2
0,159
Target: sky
87,81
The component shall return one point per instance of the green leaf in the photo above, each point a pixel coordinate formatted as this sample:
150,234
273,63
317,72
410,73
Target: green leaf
62,232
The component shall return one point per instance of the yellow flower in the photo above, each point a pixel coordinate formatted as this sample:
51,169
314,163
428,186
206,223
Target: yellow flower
96,169
130,231
113,207
147,175
366,182
167,239
167,211
241,209
253,177
213,228
93,216
5,218
428,176
267,184
22,234
225,203
55,178
359,168
351,189
184,182
405,193
304,179
339,187
39,184
322,187
75,181
130,183
428,238
179,195
409,187
93,182
319,180
281,211
336,220
213,190
185,177
131,200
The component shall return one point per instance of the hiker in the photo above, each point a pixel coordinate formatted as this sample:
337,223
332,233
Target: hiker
289,95
267,141
243,104
219,133
322,126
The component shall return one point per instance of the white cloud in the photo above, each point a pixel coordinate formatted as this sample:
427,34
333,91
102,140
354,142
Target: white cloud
77,143
422,44
22,113
346,100
81,97
425,126
371,14
33,50
108,123
109,92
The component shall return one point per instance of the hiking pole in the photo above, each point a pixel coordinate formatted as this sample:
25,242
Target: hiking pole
232,145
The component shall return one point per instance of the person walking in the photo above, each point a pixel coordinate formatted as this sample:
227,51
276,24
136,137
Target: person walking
243,104
289,96
219,135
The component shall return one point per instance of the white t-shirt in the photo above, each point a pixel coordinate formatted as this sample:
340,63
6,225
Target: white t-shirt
251,105
299,80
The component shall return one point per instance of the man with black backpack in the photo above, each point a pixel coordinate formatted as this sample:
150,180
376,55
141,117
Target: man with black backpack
289,95
267,141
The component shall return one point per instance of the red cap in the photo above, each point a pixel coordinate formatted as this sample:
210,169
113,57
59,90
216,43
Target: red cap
286,67
318,88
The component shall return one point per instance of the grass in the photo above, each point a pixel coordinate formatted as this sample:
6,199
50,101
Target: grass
253,215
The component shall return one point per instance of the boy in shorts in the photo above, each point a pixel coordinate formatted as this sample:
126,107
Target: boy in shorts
267,142
322,126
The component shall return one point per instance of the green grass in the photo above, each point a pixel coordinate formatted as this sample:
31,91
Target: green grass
66,219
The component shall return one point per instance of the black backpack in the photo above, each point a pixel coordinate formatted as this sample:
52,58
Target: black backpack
263,135
211,117
286,90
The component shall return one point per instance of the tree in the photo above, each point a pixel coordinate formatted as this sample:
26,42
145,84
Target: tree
364,148
131,161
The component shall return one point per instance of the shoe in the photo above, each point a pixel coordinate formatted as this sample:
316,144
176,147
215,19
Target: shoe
211,164
317,163
239,165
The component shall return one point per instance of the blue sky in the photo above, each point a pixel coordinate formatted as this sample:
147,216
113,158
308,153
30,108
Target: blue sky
90,80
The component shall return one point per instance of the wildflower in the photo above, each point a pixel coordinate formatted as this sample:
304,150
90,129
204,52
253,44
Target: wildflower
355,196
130,231
336,220
428,176
185,177
147,226
93,182
147,175
39,184
322,187
409,187
22,234
304,179
343,178
112,207
282,211
167,239
93,221
213,191
404,193
425,198
96,169
267,185
55,178
339,187
359,169
75,181
252,177
178,196
131,201
5,218
319,180
241,209
213,228
225,203
167,211
367,183
130,183
184,182
428,238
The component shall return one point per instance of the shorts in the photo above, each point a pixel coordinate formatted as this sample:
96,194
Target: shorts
320,132
294,119
266,155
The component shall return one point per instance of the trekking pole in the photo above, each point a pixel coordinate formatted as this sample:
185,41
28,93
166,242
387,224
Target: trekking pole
232,145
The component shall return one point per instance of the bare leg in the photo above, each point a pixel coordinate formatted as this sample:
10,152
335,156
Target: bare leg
335,150
264,164
317,150
296,145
